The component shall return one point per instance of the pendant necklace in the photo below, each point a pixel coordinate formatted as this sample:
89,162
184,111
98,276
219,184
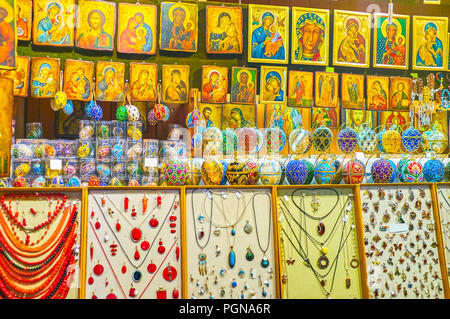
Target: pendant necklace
446,223
265,260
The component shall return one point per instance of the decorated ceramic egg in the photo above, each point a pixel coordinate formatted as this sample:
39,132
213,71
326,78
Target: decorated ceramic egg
20,182
193,175
117,150
300,141
94,181
121,113
382,171
175,173
400,165
97,112
237,173
391,140
310,175
87,168
38,168
134,151
103,170
212,172
134,133
166,113
229,142
367,140
83,150
68,108
160,111
248,139
193,117
22,169
322,138
353,172
413,172
103,151
434,141
38,182
434,171
270,172
132,113
347,140
60,100
411,139
394,169
274,139
325,171
115,182
253,172
212,141
74,181
380,141
296,172
57,181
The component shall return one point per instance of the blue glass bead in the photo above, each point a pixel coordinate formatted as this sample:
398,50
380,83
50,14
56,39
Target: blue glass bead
265,262
233,232
137,275
232,259
234,283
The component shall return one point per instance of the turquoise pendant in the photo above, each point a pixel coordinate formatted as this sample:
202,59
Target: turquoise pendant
265,262
232,258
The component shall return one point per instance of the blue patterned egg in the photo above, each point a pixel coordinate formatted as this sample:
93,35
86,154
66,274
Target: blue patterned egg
270,172
97,112
38,182
322,138
411,139
103,170
310,174
38,168
325,172
74,181
88,109
367,140
68,108
347,140
118,150
394,175
224,180
380,141
400,165
434,171
296,172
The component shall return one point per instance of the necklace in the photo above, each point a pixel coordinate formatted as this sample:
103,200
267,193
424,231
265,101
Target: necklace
446,223
265,260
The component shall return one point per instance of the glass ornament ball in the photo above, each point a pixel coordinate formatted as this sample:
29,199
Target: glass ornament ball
411,139
175,173
212,172
434,171
353,172
325,171
413,172
270,172
300,141
322,138
160,111
296,172
121,113
347,140
367,140
391,140
381,171
434,141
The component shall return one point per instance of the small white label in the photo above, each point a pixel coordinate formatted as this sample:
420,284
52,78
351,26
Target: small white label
55,164
398,228
151,162
238,195
286,198
224,195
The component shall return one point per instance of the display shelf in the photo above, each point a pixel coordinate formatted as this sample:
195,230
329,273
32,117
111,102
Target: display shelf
442,191
231,247
41,242
319,242
133,244
402,239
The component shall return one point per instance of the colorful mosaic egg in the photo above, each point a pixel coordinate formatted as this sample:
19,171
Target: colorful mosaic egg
347,139
411,139
151,118
119,169
400,165
103,170
212,172
229,142
94,181
274,139
20,182
224,180
434,171
193,117
38,182
88,108
413,172
121,113
434,141
74,181
300,141
97,112
160,111
132,112
166,113
248,139
68,108
133,168
325,171
367,140
296,172
391,140
115,182
270,172
38,168
193,175
175,173
381,171
353,172
322,138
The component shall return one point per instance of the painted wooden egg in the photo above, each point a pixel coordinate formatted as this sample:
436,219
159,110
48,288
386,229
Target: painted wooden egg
322,138
229,142
347,139
253,172
160,111
382,171
411,139
121,113
270,172
134,133
38,182
38,168
413,172
193,174
151,117
60,100
175,173
391,140
22,169
325,171
434,171
300,141
212,172
20,182
68,108
353,172
296,172
367,140
248,139
237,173
274,139
132,112
434,141
224,180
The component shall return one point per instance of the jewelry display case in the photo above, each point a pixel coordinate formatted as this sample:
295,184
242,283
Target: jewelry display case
133,248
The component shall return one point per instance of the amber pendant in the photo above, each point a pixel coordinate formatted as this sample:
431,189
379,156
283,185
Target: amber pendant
321,228
347,283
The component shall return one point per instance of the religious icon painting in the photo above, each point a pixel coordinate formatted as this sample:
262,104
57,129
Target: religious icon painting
224,26
352,91
351,38
354,119
8,43
326,116
24,18
377,93
78,80
110,81
300,88
399,119
6,119
326,89
44,77
179,27
20,76
243,85
175,83
310,36
400,93
238,116
96,25
430,46
268,34
212,114
214,84
53,22
136,29
143,81
273,84
284,117
391,41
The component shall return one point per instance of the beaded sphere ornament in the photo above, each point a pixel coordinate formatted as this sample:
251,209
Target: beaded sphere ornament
60,100
94,181
270,172
296,172
381,171
121,113
160,111
68,108
367,140
274,139
434,171
322,138
152,120
212,172
347,139
413,172
325,171
411,139
434,141
97,112
229,142
353,172
391,140
300,141
132,113
224,180
193,175
175,173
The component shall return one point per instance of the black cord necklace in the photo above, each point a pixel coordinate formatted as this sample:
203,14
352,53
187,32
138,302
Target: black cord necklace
313,189
265,260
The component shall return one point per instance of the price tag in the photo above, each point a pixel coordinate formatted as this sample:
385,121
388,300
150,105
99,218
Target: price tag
414,75
329,69
398,228
238,195
286,198
55,164
150,162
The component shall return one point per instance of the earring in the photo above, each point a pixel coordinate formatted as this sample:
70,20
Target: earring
161,248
